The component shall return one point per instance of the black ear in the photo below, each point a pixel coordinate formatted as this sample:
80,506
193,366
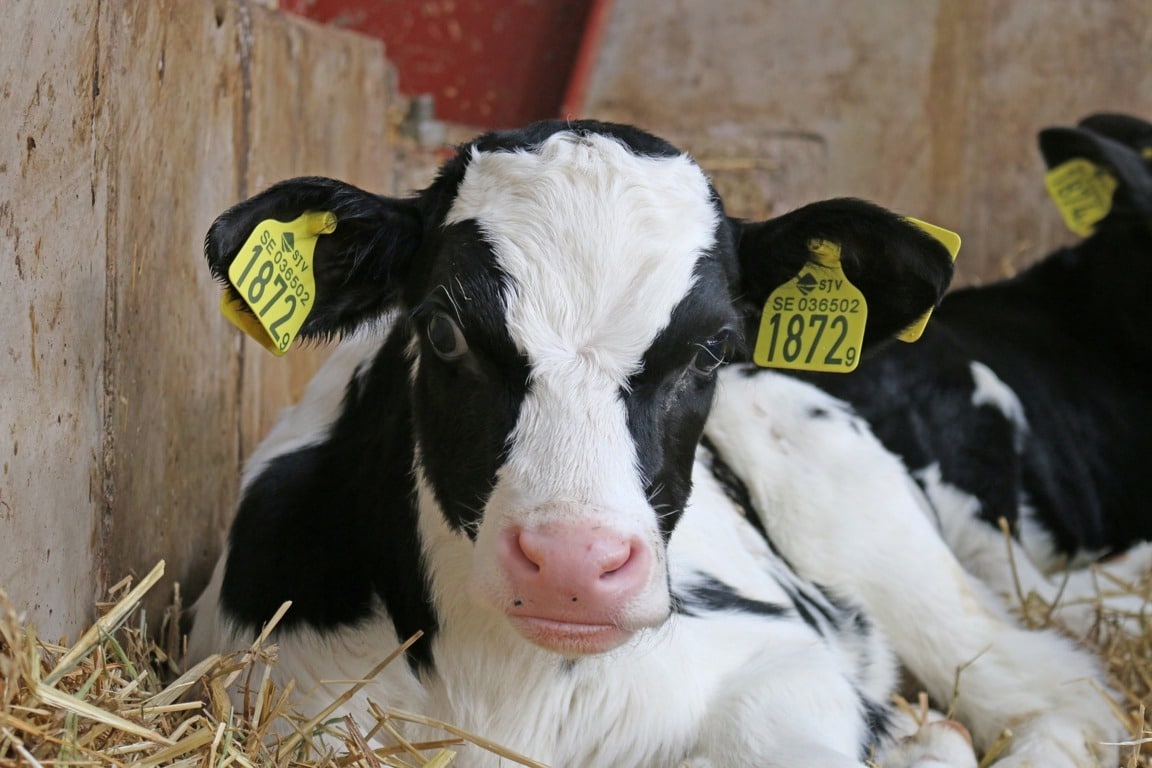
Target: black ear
1128,130
358,268
1133,194
901,269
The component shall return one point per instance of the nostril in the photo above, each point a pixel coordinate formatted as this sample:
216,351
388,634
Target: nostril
616,559
521,553
631,564
530,549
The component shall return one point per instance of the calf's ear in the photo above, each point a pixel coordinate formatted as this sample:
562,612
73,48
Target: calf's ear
901,269
358,267
1126,129
1095,175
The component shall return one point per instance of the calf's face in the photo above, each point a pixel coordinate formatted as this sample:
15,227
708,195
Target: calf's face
569,292
576,316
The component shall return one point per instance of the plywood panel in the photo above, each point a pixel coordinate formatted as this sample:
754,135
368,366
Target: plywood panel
173,76
52,295
927,106
320,106
129,127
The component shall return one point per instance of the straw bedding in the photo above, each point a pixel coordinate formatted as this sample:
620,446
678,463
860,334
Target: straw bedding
118,696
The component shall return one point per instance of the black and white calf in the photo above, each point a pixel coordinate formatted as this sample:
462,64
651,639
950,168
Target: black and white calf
530,448
1030,399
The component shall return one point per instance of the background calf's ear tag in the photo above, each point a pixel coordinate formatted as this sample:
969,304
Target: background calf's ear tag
1083,192
272,273
949,240
815,321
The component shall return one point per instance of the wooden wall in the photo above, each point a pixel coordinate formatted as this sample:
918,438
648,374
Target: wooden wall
126,401
930,107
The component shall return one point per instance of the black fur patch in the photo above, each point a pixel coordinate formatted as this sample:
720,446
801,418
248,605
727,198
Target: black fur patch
332,527
710,595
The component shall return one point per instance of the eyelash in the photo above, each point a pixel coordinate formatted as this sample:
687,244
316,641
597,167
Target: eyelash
711,354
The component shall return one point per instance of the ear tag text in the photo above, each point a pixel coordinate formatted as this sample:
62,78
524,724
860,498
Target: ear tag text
949,240
1083,192
815,321
272,272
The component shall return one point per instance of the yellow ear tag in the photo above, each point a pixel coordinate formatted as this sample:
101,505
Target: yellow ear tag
815,321
951,241
273,275
1083,193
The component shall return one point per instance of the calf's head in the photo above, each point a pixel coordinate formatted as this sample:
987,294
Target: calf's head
1108,197
568,292
1117,145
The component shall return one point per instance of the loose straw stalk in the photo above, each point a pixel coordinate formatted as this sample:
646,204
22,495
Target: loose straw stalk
115,698
104,701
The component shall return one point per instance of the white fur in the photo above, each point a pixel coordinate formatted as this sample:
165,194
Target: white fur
844,513
625,231
658,687
1010,568
705,691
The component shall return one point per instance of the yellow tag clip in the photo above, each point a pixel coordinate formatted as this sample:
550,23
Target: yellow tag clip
815,321
951,241
1083,193
273,275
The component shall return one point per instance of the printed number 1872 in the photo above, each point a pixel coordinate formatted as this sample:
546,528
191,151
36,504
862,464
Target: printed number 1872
804,342
258,288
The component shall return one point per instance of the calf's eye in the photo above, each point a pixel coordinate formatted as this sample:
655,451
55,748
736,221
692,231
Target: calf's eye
445,337
710,355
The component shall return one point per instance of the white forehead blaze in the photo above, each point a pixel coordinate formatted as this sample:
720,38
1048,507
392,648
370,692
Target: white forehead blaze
599,245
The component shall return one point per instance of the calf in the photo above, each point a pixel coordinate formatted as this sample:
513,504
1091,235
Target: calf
1029,399
621,551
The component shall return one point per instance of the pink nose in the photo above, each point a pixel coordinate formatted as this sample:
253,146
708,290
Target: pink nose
581,573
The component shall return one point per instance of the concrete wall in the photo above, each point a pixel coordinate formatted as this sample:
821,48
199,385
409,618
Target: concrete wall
126,400
930,107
